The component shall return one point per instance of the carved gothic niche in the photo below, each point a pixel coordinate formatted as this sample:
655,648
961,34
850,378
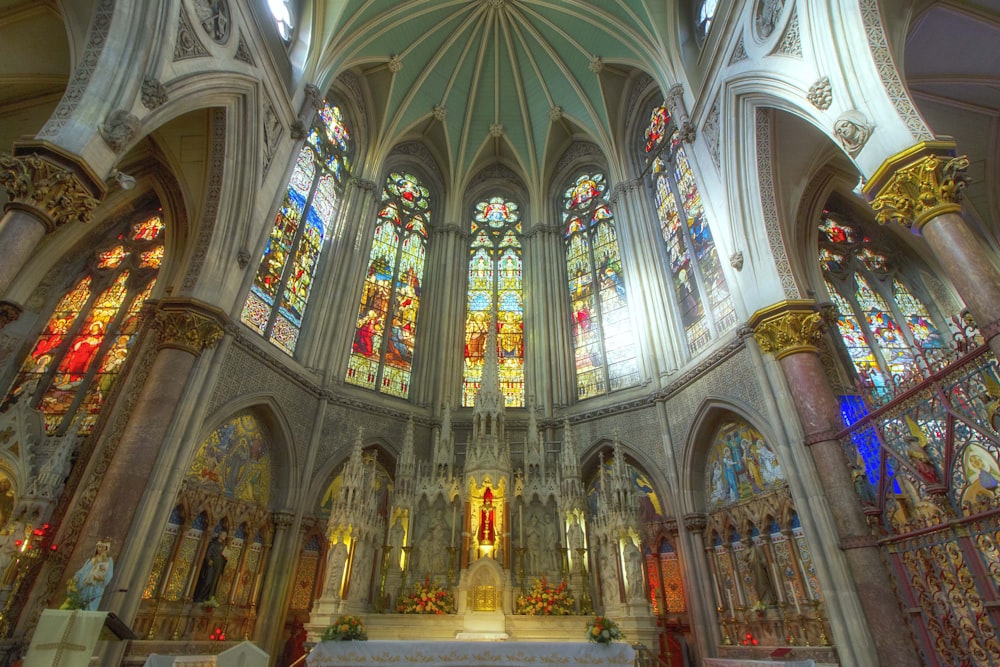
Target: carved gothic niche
766,15
215,18
853,130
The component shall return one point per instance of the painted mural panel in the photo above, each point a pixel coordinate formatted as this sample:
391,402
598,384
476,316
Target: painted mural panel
234,461
740,465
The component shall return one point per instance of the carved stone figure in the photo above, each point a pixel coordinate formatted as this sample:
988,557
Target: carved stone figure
335,562
852,130
766,16
214,18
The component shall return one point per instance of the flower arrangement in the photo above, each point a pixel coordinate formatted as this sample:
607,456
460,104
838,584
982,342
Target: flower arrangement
427,598
210,604
603,630
544,600
759,607
346,629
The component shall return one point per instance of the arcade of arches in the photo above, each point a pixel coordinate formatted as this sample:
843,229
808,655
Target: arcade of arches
688,310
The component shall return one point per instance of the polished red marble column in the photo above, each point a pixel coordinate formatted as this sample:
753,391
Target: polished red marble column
921,189
791,331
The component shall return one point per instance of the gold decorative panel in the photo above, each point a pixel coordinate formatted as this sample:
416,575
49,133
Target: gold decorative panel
484,598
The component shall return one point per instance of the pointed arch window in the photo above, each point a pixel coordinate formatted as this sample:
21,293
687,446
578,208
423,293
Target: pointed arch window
695,269
602,335
495,286
704,16
281,287
281,12
391,295
79,355
880,320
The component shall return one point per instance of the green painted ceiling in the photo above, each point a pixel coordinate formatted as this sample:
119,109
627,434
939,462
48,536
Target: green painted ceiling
493,69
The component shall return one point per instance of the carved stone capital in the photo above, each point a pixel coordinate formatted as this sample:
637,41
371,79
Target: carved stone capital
189,325
283,519
119,129
50,184
363,184
670,526
9,311
695,522
918,184
788,327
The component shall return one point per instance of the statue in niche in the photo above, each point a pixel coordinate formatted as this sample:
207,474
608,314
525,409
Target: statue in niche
761,578
360,571
609,576
633,570
87,586
335,562
432,545
486,532
533,542
212,567
575,535
396,536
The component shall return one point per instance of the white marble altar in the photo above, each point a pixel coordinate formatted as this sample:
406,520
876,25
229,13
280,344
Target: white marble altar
468,654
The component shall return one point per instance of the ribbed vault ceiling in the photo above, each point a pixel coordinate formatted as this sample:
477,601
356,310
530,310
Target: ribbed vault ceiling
486,78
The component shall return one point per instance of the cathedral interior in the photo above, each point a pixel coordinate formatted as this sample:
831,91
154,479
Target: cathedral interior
684,313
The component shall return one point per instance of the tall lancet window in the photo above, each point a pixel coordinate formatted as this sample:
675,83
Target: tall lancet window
495,285
602,336
880,319
391,294
281,287
693,259
82,350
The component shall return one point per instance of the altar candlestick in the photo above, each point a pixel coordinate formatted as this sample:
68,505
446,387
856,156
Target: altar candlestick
520,526
729,596
795,600
805,579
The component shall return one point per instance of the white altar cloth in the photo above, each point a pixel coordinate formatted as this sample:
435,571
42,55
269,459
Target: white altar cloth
469,654
738,662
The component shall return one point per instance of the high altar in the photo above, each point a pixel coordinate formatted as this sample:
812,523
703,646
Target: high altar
484,533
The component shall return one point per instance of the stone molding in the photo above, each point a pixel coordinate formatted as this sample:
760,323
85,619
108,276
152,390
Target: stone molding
695,522
50,184
788,327
918,184
283,519
189,325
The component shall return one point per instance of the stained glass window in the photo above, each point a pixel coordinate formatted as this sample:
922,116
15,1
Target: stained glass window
692,257
282,14
82,350
880,319
706,14
280,291
495,286
391,294
602,336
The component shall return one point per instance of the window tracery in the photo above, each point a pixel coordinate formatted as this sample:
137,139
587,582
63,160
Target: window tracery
692,256
881,322
280,291
495,286
281,12
79,355
704,16
391,295
602,338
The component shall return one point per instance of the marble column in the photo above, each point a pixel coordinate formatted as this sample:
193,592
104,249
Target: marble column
700,570
921,189
46,188
185,328
792,331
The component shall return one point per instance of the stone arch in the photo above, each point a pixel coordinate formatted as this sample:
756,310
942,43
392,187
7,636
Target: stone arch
699,439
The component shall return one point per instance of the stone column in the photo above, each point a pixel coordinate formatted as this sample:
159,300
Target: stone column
185,328
921,189
699,568
791,331
278,578
47,188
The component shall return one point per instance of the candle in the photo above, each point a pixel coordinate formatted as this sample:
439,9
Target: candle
795,599
805,579
454,522
729,596
520,526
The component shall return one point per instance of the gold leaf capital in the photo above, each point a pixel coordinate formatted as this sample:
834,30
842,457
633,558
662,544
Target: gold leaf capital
918,184
788,327
188,325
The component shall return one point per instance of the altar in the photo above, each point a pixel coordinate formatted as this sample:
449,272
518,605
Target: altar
469,654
